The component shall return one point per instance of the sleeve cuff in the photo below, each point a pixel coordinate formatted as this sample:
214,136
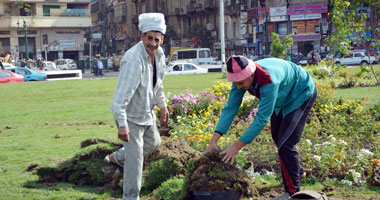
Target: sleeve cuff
121,123
221,134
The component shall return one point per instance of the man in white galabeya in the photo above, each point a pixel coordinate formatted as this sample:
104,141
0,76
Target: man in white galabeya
139,89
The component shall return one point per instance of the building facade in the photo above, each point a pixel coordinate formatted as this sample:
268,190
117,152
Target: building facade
44,29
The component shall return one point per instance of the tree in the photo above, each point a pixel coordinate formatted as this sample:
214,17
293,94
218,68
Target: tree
349,22
279,48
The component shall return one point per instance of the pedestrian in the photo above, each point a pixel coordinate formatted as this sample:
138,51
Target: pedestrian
1,64
100,67
287,93
95,68
317,58
138,90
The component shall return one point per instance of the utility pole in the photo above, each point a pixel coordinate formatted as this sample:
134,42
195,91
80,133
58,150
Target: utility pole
103,42
223,48
26,42
266,32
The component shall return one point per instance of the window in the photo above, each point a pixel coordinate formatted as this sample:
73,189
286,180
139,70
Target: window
189,67
46,9
234,30
204,54
44,39
187,54
282,29
5,74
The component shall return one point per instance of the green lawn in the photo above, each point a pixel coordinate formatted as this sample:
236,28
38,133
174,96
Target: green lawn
45,122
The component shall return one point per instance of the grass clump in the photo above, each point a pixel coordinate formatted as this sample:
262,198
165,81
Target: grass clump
159,172
170,189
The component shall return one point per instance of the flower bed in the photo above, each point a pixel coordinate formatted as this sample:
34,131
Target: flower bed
340,139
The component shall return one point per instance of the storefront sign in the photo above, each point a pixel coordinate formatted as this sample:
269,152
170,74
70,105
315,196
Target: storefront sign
262,12
306,37
68,32
304,17
279,18
97,36
277,11
67,44
251,13
5,32
310,9
299,37
29,32
250,45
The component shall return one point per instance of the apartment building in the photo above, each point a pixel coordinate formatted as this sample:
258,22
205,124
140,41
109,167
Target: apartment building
51,29
191,23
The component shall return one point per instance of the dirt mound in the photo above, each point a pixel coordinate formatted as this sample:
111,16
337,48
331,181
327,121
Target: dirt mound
88,167
375,175
210,174
173,148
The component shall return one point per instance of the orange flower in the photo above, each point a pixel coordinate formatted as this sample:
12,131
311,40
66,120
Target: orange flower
376,162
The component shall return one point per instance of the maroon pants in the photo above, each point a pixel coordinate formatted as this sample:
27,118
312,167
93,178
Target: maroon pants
286,133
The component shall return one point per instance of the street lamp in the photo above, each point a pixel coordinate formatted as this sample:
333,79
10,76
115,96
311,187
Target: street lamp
26,42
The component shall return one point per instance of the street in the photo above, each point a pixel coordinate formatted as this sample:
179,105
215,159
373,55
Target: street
107,73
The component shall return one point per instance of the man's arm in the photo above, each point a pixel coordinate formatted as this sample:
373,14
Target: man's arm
129,78
160,96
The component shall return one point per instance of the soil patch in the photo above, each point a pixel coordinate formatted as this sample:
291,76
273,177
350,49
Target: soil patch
173,148
32,166
210,174
88,166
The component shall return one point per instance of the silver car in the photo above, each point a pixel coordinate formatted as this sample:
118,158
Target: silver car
66,64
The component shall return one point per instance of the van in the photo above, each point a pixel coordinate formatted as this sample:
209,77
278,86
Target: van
197,56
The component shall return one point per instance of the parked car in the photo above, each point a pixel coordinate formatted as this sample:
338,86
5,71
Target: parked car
262,57
29,75
177,68
9,77
357,58
109,63
7,65
66,64
50,66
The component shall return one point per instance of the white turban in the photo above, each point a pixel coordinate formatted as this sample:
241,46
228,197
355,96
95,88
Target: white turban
152,22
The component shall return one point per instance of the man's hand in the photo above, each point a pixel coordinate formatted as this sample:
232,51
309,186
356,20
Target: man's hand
212,146
164,117
213,143
231,151
123,133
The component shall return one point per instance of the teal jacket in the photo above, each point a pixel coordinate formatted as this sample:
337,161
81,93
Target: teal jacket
280,85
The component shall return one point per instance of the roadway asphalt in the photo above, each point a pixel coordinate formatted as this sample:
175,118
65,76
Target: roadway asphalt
107,73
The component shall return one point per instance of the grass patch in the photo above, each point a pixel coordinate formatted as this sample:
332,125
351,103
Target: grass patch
45,123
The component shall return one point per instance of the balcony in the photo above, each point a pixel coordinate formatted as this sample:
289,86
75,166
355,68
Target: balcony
44,22
232,9
178,11
190,8
135,19
121,19
198,7
210,4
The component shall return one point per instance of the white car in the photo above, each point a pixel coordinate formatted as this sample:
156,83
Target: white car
6,65
184,68
66,64
50,66
357,58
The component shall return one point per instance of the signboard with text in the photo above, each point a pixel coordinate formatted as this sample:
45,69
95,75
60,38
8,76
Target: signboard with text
306,9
